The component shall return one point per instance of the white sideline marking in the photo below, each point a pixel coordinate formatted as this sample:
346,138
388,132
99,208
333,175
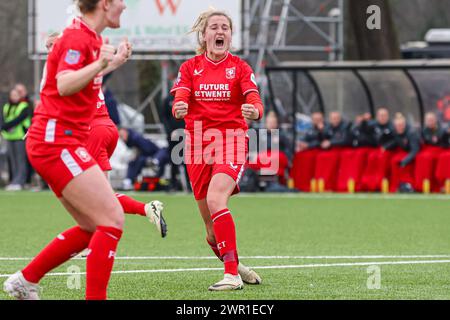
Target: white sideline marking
255,257
345,196
350,264
300,195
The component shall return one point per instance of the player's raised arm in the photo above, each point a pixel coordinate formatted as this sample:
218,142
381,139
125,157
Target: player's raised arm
70,82
121,56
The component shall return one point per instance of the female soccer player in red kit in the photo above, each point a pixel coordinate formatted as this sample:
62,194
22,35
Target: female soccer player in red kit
55,146
215,92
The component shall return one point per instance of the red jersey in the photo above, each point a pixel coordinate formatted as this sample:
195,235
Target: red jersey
77,47
218,90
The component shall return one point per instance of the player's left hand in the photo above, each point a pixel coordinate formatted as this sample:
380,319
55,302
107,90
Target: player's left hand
249,112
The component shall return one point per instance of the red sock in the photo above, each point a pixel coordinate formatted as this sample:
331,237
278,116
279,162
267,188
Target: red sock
225,233
213,247
65,246
100,261
131,206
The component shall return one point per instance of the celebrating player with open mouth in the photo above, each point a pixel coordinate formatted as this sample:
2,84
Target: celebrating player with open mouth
216,92
55,146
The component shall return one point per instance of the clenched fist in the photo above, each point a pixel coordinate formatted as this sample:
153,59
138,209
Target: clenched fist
107,52
250,112
123,52
180,109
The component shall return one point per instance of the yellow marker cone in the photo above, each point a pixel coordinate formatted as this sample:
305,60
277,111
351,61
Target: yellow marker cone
321,186
385,185
426,186
351,186
290,183
447,186
313,184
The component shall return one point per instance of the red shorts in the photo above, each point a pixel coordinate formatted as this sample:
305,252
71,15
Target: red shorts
201,168
200,176
101,144
58,163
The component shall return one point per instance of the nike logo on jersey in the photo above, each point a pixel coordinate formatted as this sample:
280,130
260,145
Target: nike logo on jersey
198,73
234,167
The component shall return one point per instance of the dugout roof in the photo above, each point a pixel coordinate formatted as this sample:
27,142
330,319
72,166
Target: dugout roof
412,87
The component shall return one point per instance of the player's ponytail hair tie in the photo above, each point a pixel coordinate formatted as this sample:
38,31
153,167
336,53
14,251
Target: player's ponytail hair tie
201,23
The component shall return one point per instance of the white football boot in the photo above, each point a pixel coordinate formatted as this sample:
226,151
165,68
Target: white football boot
153,211
248,275
17,287
228,283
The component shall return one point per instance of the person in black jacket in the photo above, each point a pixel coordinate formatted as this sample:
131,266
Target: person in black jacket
433,134
353,160
446,137
337,137
315,135
442,172
304,160
173,126
273,150
383,129
337,132
362,131
406,145
378,160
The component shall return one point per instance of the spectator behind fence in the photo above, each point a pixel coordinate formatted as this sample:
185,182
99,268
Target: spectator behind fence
405,146
303,163
432,141
15,123
147,150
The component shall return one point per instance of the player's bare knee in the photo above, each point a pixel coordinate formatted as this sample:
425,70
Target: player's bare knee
115,217
88,227
117,221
